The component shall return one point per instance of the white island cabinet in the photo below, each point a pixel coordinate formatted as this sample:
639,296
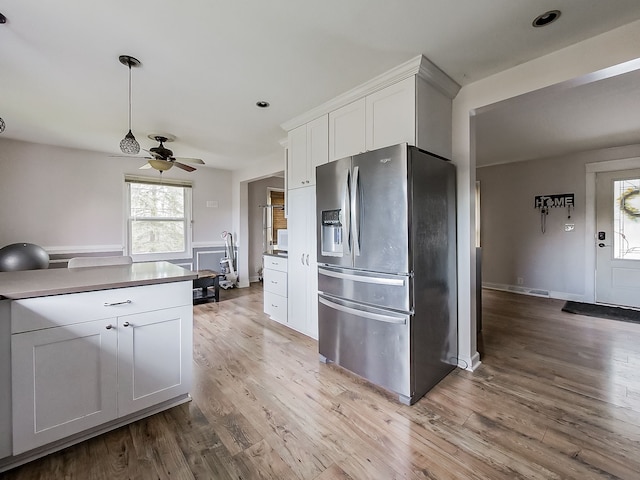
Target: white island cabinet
84,363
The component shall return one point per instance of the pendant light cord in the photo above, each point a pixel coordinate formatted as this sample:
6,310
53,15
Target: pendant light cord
129,95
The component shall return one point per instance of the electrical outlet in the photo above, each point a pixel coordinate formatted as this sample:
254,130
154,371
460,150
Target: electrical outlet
212,204
520,281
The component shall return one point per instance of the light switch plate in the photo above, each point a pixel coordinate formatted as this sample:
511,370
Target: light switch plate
569,227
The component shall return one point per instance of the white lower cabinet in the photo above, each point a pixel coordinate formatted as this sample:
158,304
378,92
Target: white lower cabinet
69,376
64,381
275,287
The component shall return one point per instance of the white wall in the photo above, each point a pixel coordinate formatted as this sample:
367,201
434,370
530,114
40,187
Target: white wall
70,200
267,167
612,48
513,245
257,195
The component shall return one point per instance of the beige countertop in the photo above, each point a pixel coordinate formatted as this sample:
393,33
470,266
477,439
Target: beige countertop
56,281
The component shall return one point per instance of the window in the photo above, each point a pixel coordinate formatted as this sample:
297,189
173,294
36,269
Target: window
158,216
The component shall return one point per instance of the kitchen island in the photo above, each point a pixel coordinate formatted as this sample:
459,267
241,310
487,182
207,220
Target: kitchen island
86,350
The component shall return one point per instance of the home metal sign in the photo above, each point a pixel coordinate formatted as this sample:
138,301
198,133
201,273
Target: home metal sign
551,201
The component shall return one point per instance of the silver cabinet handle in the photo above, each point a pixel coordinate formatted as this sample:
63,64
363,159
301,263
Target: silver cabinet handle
274,282
106,304
126,324
364,314
307,259
109,327
302,259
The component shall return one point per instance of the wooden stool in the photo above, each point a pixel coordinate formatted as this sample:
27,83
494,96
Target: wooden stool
206,279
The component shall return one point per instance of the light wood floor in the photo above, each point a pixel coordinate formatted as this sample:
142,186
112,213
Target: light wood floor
557,396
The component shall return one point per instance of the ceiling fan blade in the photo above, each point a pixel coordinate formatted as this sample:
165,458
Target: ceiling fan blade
197,161
154,155
186,168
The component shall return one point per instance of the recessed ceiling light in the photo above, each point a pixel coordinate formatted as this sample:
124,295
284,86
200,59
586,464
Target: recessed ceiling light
262,104
546,18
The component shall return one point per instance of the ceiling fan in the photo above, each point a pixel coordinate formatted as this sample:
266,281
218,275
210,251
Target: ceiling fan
162,159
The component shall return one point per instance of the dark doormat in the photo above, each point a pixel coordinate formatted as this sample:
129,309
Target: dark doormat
602,311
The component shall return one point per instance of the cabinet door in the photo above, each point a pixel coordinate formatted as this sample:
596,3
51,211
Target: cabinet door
64,381
317,145
347,130
302,282
311,327
154,357
390,115
297,167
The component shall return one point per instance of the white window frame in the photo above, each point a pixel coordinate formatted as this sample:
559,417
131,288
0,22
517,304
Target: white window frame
188,220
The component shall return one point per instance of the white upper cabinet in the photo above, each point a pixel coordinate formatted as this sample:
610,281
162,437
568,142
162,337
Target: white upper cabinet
390,115
385,117
308,148
347,133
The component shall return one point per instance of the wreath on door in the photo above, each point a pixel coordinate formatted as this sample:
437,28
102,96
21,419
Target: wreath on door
625,202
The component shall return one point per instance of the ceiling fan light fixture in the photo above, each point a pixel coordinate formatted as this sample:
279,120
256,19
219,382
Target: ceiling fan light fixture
161,165
129,144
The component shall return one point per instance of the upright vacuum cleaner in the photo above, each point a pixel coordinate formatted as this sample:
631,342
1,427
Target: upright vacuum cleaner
228,263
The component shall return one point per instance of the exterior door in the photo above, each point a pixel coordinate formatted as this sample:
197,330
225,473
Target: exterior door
618,238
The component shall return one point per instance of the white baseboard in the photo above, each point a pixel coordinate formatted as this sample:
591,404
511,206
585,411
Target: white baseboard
535,292
471,363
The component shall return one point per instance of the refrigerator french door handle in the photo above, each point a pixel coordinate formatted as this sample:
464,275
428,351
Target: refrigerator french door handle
396,282
364,314
355,217
346,200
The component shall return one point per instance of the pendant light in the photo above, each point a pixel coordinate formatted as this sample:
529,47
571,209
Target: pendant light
129,144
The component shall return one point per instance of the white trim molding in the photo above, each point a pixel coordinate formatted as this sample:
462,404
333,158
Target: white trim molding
61,250
420,66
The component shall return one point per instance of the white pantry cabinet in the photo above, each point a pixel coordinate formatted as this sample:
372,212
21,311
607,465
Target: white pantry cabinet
302,265
308,147
275,287
81,360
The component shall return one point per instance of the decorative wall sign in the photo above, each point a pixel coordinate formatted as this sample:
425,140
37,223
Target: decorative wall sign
552,201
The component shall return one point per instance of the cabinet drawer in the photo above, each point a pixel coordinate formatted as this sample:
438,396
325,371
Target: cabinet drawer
275,263
275,282
46,312
275,306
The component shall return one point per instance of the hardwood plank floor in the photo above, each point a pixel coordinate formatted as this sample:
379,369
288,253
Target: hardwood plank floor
556,397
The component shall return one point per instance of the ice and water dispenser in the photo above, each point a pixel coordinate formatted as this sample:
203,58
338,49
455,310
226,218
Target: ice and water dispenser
331,233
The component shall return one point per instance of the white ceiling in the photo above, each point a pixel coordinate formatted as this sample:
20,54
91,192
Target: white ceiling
205,63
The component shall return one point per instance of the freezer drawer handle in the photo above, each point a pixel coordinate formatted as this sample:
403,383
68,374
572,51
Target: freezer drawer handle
398,282
362,313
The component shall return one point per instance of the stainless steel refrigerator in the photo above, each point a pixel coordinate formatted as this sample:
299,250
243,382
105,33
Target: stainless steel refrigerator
387,303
